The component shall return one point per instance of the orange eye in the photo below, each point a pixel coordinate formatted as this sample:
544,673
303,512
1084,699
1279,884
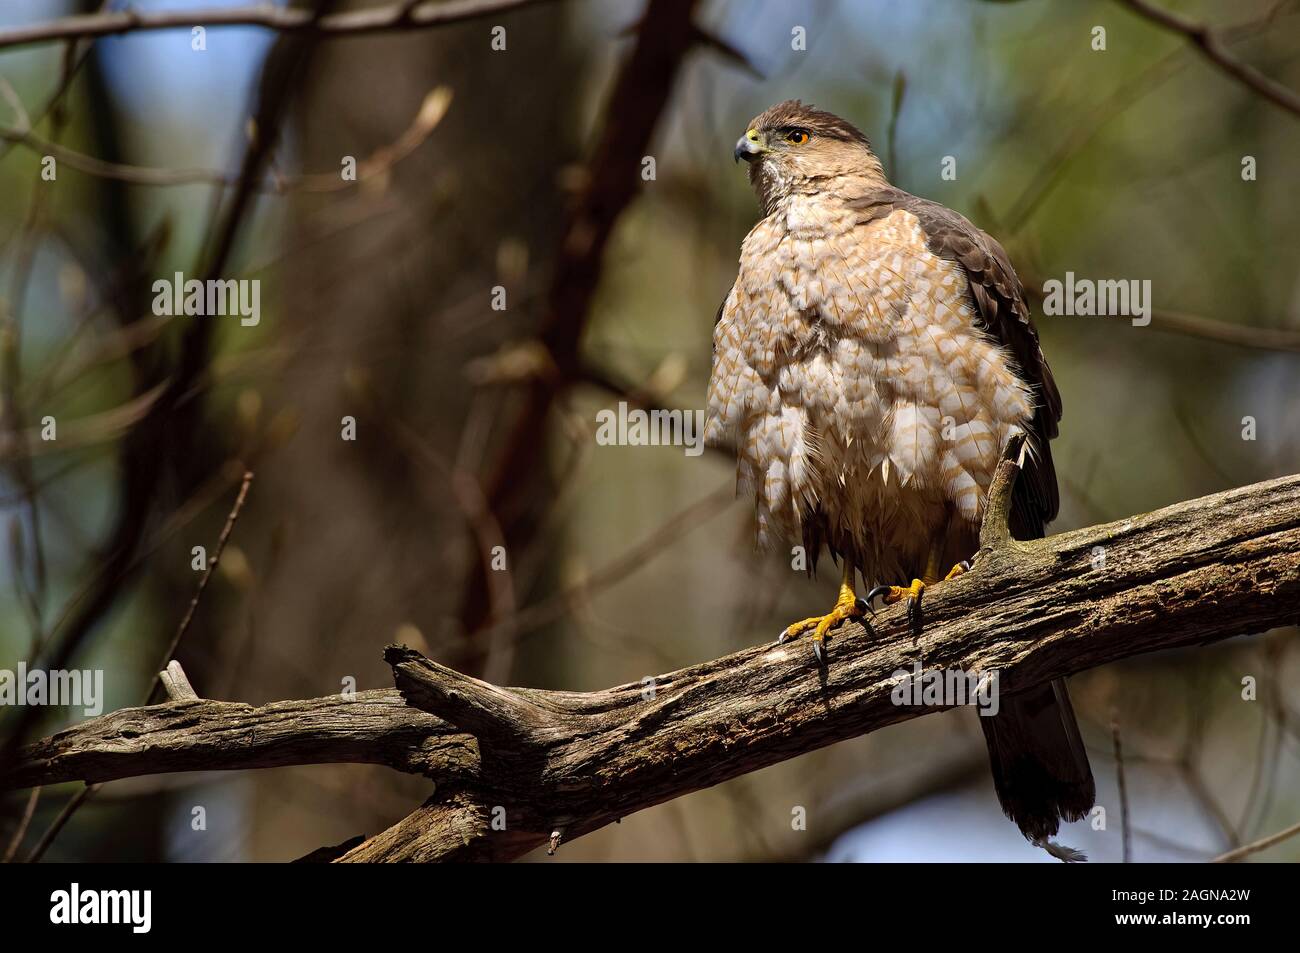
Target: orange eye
797,136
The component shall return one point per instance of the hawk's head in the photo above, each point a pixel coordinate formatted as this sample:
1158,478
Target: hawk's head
791,146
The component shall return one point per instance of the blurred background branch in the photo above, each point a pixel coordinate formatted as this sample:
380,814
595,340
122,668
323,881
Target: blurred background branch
404,15
1208,42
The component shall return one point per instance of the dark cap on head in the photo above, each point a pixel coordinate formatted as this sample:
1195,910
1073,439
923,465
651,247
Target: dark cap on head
793,113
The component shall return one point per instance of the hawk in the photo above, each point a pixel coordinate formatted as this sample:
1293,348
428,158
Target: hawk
870,362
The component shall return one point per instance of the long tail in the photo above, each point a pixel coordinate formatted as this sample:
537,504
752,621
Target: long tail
1040,767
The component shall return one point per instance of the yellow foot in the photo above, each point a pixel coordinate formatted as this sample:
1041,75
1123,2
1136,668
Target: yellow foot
957,570
891,594
846,607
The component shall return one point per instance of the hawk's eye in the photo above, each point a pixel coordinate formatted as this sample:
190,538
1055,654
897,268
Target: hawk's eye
797,136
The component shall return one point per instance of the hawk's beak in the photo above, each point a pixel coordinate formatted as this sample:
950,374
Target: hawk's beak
748,147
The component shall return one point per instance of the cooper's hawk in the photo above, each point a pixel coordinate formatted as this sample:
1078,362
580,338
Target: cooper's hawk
870,363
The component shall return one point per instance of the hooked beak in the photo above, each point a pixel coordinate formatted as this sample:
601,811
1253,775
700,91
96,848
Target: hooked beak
748,147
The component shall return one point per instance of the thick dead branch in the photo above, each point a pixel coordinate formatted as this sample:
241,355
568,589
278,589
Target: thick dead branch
520,764
375,727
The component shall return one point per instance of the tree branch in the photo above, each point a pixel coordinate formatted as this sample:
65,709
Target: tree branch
1211,47
398,16
431,112
1198,326
522,763
665,35
375,727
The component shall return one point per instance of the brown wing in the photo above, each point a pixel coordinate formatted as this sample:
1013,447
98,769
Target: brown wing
1040,766
1001,310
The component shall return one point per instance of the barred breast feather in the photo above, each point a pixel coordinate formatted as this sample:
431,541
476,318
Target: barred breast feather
860,374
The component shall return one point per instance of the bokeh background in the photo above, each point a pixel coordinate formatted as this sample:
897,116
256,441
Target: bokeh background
376,302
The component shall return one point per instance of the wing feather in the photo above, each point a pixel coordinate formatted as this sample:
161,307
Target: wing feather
1002,312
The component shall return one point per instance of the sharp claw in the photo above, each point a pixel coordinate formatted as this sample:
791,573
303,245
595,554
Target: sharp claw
862,607
967,565
817,651
878,591
784,636
914,613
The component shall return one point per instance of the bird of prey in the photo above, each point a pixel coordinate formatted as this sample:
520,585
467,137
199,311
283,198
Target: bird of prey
871,361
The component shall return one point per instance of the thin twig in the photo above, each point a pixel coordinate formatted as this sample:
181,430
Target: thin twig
1120,100
16,841
88,792
431,111
1199,326
203,583
1211,46
65,815
895,110
397,17
1123,790
1255,847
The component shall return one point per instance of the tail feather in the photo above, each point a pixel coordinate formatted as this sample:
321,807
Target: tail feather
1040,767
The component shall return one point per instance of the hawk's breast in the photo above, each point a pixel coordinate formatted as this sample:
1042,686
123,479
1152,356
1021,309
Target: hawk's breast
851,376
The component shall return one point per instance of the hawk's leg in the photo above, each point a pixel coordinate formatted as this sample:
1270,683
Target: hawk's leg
847,606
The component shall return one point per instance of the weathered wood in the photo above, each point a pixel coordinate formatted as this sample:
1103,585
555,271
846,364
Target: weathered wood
538,761
176,684
374,727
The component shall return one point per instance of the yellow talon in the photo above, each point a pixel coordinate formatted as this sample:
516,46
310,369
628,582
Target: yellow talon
847,606
894,594
891,594
957,570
